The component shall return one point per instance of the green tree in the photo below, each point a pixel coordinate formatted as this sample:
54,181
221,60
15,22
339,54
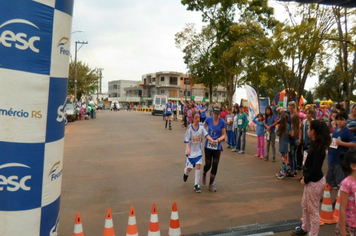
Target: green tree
228,51
345,48
298,51
87,79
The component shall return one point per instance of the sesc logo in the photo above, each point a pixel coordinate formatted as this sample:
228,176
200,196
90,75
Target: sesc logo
61,112
14,183
18,40
62,42
54,230
53,171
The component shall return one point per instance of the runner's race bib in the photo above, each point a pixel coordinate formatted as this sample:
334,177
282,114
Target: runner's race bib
228,119
239,122
333,143
196,139
213,146
169,109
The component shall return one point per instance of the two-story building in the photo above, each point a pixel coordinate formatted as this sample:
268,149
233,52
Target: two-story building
174,85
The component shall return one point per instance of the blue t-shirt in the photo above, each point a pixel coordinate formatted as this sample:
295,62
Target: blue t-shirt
351,124
169,109
203,114
174,107
345,135
260,131
214,131
270,121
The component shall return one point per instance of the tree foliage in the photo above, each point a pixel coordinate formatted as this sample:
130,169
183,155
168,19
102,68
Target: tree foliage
298,50
87,79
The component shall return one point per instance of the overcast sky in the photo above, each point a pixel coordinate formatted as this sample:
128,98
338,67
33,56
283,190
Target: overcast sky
130,38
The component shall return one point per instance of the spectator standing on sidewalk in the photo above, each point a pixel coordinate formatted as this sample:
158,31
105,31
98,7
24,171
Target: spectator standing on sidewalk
313,178
283,134
229,119
258,120
242,123
270,125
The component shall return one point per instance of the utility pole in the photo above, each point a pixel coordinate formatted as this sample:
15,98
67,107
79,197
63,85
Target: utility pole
75,67
99,85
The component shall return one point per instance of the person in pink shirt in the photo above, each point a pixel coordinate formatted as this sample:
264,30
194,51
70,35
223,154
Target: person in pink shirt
347,218
224,112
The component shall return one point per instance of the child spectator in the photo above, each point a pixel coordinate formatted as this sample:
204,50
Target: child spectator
234,127
164,113
242,123
332,120
342,140
293,141
282,133
347,216
260,131
270,124
313,178
229,119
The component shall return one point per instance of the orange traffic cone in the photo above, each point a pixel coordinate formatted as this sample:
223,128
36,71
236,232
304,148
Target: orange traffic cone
174,227
132,226
154,226
337,207
109,226
326,214
78,228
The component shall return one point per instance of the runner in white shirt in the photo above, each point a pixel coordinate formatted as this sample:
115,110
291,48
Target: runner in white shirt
193,139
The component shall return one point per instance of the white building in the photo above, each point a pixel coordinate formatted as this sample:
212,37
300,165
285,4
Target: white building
116,89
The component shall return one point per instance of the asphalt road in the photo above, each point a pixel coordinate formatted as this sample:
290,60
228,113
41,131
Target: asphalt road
124,159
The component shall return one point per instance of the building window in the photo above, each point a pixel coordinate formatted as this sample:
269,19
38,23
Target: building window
115,86
162,79
187,93
186,81
207,95
223,95
114,95
173,80
162,91
214,94
153,79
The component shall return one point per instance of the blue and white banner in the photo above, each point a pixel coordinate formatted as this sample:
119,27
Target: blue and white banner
252,98
34,64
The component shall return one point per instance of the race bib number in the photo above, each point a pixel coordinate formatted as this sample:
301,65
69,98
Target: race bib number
228,119
305,155
169,109
333,143
239,122
213,146
196,139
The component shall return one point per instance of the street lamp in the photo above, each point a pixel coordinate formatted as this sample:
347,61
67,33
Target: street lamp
75,67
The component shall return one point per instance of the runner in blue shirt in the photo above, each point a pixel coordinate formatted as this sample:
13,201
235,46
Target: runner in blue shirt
217,130
169,108
175,111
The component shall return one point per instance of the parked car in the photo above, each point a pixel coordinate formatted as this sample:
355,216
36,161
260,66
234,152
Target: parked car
70,112
101,106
